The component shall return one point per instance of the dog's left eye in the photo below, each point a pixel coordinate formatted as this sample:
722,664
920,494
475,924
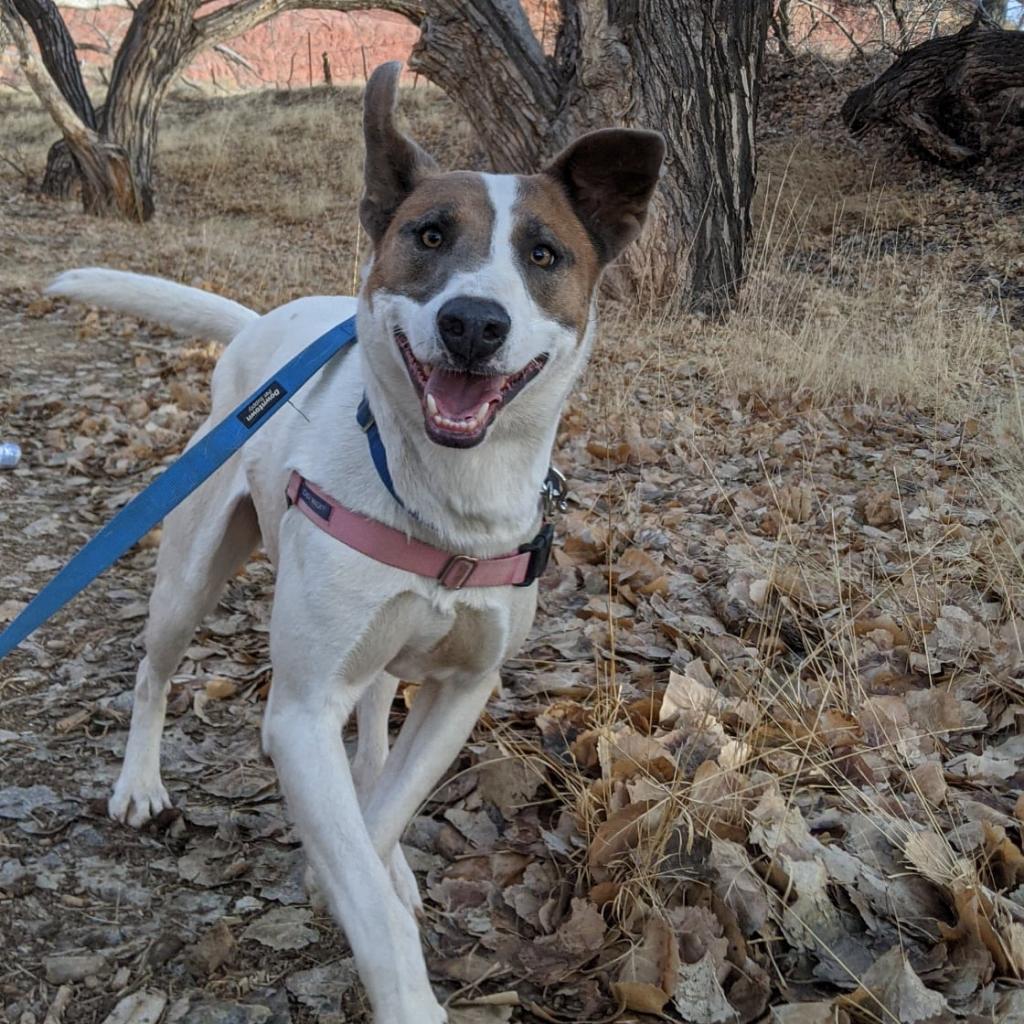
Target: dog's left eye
431,238
542,256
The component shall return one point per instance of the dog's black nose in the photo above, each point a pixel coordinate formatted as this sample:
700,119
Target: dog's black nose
472,329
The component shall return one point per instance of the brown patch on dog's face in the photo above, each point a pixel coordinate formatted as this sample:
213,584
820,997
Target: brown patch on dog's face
443,228
547,228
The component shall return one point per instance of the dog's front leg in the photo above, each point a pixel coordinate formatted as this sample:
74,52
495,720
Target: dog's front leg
439,723
372,714
304,739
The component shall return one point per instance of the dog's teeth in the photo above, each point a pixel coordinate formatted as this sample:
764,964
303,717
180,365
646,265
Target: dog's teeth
467,425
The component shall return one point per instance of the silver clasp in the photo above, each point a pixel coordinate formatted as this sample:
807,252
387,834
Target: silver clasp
554,493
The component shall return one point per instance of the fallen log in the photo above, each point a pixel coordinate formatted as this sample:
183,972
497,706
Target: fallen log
954,96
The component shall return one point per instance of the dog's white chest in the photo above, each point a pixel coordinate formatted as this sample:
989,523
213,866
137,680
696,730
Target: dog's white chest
463,638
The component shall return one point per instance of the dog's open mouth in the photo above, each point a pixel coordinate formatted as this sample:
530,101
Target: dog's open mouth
458,407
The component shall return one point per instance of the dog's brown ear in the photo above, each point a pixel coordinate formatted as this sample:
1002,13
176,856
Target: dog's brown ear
394,163
609,176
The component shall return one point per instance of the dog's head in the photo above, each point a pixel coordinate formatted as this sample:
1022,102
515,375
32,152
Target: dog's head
482,285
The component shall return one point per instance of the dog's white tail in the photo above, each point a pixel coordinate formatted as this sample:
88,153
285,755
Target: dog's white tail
188,310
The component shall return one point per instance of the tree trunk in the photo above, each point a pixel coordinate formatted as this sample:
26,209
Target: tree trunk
159,44
107,184
782,28
693,73
57,50
62,174
484,55
689,68
946,95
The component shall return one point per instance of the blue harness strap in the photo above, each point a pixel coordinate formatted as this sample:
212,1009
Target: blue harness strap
176,483
553,493
364,417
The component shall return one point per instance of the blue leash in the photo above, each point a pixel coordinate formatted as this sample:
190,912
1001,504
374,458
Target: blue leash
175,484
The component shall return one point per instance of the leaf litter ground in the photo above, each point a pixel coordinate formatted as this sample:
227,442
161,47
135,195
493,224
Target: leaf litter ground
760,759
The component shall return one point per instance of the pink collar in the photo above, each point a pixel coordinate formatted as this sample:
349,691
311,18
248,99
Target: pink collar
394,548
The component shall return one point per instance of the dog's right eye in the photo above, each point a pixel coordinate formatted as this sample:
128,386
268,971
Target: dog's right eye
431,238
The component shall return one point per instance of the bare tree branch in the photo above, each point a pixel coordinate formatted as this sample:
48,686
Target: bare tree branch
57,49
234,19
63,114
835,21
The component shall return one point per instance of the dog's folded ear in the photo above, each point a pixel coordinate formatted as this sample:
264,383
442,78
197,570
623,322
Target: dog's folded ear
610,176
394,163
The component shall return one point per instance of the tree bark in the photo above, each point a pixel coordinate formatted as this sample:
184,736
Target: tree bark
701,89
62,174
945,94
484,55
782,28
689,68
57,50
159,44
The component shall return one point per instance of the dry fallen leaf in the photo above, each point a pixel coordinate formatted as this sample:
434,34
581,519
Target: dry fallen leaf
640,997
891,989
216,948
699,995
479,1014
282,928
143,1007
219,688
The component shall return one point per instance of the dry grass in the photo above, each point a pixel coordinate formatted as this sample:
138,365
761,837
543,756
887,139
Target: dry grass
850,297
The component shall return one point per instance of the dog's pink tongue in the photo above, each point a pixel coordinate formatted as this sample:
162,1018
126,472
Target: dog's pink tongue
459,395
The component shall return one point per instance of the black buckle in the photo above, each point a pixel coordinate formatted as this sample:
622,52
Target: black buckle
540,553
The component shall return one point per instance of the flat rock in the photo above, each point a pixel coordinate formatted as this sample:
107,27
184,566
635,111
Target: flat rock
19,802
321,988
60,969
144,1007
216,1011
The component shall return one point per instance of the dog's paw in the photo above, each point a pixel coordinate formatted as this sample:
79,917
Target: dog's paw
404,881
134,802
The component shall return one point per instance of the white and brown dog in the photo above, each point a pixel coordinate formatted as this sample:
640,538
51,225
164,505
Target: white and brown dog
475,317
